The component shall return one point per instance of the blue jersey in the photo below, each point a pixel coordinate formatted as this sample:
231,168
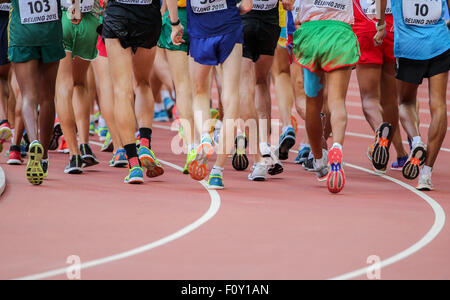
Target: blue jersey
209,18
420,29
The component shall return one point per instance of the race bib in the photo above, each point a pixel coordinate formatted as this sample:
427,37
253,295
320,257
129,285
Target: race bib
264,4
341,5
422,12
38,11
207,6
5,6
135,2
369,8
85,5
296,7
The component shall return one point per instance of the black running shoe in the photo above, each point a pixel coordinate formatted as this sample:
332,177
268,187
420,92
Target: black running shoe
57,133
240,160
309,164
75,165
380,154
88,156
287,141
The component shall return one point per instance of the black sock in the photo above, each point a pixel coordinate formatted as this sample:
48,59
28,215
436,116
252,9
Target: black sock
132,155
3,122
146,133
14,148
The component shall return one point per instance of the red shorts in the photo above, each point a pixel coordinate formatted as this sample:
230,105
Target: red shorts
101,47
376,55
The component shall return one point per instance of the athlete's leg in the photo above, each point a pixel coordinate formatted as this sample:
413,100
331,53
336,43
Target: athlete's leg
81,101
314,83
407,94
369,76
200,77
438,109
284,92
4,91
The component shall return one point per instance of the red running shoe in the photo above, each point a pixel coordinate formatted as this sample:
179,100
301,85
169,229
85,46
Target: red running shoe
63,146
336,177
14,158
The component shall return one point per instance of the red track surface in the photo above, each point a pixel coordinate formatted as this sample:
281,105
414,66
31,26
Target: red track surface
289,227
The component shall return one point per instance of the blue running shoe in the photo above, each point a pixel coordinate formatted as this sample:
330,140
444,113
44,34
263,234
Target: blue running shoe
302,156
119,159
168,105
161,116
149,161
23,150
399,163
102,133
136,176
287,141
215,182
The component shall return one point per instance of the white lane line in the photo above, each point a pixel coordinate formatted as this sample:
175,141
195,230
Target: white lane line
439,222
212,211
358,104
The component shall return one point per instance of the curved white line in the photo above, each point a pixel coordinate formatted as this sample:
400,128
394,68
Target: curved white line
212,211
439,222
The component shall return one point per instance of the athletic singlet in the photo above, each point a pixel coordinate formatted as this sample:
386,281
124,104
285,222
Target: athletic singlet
420,29
365,16
212,19
316,10
264,10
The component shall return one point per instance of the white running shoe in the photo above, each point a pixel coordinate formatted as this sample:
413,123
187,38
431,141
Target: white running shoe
259,172
425,183
274,165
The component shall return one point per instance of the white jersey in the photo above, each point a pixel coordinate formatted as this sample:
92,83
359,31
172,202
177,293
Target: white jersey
317,10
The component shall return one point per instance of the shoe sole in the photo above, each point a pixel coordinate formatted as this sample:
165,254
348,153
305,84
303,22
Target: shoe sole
89,160
57,133
109,148
74,171
411,169
135,180
197,168
424,188
34,172
286,144
14,162
380,155
153,169
336,176
213,187
257,178
240,160
120,164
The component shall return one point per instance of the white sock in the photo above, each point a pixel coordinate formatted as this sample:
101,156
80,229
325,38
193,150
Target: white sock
337,145
426,170
174,95
285,128
206,136
165,94
218,125
217,171
311,155
416,140
159,107
302,146
101,122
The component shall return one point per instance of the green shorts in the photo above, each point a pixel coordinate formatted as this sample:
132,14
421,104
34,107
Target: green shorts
81,39
46,54
165,41
326,45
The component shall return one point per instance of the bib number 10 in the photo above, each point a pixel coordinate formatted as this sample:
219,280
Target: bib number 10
422,12
421,9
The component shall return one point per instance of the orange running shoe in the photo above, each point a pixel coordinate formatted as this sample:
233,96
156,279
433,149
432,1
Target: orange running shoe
197,168
336,177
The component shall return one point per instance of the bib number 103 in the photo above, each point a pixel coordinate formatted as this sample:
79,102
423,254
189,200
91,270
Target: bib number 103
38,11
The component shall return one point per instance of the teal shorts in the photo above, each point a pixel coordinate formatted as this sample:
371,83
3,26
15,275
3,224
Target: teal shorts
81,39
45,54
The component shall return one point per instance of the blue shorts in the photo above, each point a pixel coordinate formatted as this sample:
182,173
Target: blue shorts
215,50
4,19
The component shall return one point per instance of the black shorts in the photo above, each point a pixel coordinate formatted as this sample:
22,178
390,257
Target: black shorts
414,71
260,38
136,26
4,19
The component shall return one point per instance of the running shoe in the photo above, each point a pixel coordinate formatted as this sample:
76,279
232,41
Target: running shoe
215,182
369,154
425,183
136,176
197,168
108,145
275,167
57,133
302,155
23,150
92,128
119,159
380,154
168,105
287,141
336,177
102,133
321,167
88,157
34,171
44,163
399,163
240,160
259,172
308,165
190,157
14,156
5,134
149,161
417,158
75,165
161,116
63,146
